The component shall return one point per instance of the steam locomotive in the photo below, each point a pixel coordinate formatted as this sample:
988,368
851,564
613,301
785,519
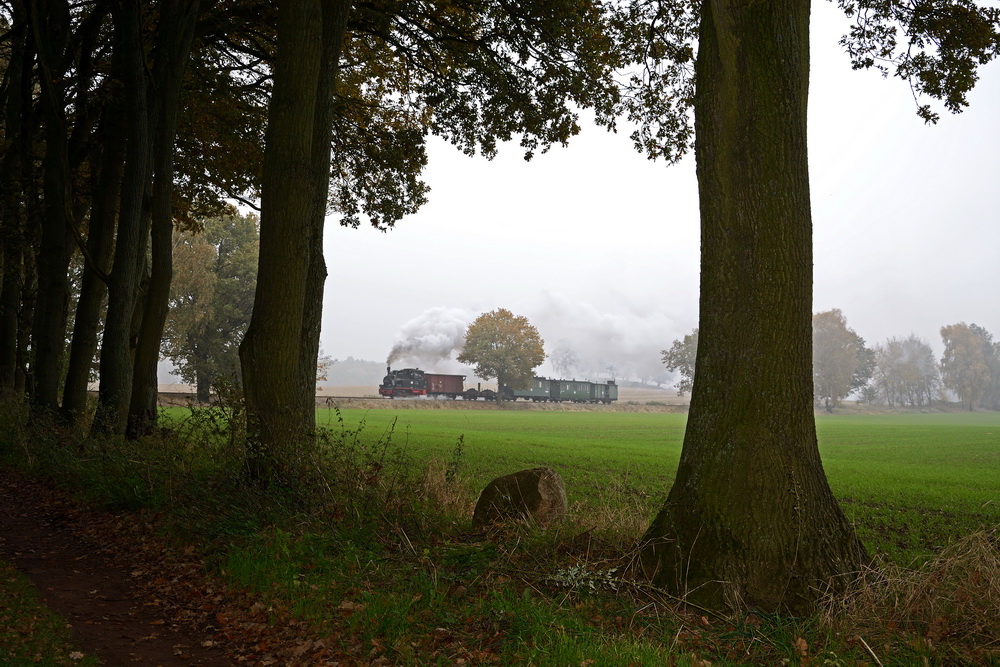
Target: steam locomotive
415,382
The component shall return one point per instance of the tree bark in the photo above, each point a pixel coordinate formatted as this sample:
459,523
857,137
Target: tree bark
203,389
12,206
750,519
175,34
133,230
100,245
280,347
335,17
49,21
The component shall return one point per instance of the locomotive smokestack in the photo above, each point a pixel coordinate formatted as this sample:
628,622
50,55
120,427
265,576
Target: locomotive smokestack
388,370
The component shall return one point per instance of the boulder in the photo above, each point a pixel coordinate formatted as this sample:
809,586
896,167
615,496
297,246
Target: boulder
536,495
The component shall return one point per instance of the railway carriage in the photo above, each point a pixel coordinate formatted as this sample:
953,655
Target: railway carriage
539,391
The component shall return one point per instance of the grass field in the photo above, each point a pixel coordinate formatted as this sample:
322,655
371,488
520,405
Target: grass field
911,482
402,578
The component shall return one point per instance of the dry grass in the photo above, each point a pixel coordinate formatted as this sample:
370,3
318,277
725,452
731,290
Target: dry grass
446,491
948,609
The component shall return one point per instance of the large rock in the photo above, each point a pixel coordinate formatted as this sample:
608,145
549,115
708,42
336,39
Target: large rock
536,495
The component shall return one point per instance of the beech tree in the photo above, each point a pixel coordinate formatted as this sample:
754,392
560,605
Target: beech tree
504,346
841,361
750,519
92,94
680,358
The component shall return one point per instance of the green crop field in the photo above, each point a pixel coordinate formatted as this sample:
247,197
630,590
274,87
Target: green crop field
911,482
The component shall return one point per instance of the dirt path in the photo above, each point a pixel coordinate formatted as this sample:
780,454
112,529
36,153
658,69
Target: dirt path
82,572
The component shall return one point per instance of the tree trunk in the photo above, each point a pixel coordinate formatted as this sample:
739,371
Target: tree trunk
48,330
12,207
751,520
175,33
130,243
203,389
335,17
279,349
100,244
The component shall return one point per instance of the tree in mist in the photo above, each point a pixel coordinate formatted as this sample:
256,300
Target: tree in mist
211,298
991,397
841,361
564,361
504,346
680,358
905,373
750,519
967,364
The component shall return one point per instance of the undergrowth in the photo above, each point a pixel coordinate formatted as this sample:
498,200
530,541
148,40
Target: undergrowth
380,555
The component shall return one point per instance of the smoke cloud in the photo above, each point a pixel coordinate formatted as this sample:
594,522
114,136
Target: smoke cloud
431,338
625,343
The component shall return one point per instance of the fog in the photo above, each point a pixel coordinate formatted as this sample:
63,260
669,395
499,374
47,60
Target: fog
599,248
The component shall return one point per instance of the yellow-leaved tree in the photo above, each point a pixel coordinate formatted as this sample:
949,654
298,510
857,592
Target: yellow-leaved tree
504,346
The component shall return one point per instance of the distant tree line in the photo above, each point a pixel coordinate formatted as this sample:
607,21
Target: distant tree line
900,372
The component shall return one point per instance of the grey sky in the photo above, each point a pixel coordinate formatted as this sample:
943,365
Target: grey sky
598,247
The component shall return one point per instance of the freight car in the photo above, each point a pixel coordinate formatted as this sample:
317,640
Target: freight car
410,382
415,382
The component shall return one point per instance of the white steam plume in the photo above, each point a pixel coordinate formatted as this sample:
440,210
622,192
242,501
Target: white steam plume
431,337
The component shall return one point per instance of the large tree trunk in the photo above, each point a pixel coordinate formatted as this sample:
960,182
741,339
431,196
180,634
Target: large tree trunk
175,33
100,244
50,27
335,17
279,349
750,519
12,206
130,244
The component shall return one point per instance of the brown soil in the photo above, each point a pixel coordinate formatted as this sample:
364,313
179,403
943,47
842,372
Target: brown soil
93,585
129,597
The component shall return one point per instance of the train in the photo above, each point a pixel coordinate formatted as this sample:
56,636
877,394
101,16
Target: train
410,382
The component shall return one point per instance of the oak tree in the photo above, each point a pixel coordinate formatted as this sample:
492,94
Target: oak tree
750,519
504,346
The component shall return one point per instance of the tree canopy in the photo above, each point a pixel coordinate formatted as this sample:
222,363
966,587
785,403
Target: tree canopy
504,346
